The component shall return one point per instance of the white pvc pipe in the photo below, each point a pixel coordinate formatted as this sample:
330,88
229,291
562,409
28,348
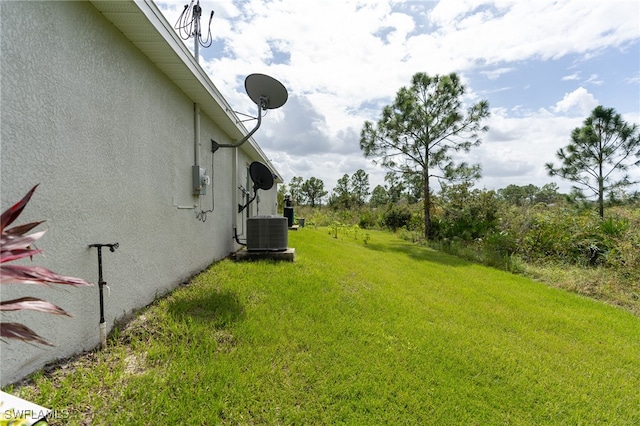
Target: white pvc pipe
234,189
103,335
196,134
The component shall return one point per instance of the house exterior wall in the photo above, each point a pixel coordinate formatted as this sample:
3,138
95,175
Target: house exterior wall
110,140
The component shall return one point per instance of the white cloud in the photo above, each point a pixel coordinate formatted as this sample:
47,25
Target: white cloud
517,30
516,148
496,73
571,77
594,79
579,102
634,79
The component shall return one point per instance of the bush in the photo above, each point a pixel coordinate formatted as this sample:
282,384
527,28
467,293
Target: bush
563,235
396,217
317,217
621,234
368,219
466,214
503,243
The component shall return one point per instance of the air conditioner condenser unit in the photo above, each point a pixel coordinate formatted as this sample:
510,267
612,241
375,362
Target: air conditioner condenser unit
267,233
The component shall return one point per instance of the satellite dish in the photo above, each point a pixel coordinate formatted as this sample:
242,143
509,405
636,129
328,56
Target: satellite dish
262,179
261,176
265,91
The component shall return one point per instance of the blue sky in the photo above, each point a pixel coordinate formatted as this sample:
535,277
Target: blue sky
542,65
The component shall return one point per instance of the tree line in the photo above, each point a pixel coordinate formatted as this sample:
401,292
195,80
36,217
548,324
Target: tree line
353,191
417,135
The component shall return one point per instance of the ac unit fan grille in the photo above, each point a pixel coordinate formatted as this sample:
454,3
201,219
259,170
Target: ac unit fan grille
267,233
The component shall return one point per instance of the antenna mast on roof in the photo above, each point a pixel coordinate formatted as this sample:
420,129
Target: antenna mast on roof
188,26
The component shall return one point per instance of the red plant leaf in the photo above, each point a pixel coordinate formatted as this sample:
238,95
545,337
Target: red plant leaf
17,254
13,330
33,304
20,242
15,244
23,229
12,213
36,275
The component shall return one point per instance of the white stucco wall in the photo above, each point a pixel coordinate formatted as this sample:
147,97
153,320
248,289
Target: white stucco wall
110,140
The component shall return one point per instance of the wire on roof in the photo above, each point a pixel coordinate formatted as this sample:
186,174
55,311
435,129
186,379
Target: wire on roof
188,24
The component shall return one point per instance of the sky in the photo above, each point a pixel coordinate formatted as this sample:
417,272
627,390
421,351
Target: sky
542,65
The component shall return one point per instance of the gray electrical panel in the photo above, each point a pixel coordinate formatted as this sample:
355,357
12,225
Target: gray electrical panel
200,180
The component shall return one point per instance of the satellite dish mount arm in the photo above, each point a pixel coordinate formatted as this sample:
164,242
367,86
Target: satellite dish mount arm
263,105
255,194
262,179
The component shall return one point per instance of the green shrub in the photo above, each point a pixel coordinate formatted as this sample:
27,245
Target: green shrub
368,219
396,217
413,236
503,243
466,214
318,218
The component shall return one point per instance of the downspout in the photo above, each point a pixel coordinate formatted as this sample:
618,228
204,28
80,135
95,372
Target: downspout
196,134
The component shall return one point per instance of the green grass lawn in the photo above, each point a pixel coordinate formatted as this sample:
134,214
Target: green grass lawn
385,332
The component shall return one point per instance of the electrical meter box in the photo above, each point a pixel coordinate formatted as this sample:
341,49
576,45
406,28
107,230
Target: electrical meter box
200,180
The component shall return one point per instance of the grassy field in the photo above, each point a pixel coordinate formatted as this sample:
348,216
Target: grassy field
358,332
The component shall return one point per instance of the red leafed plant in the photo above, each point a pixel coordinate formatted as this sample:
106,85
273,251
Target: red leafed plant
16,244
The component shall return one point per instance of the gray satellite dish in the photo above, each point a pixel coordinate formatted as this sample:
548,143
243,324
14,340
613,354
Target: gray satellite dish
262,179
264,91
261,176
